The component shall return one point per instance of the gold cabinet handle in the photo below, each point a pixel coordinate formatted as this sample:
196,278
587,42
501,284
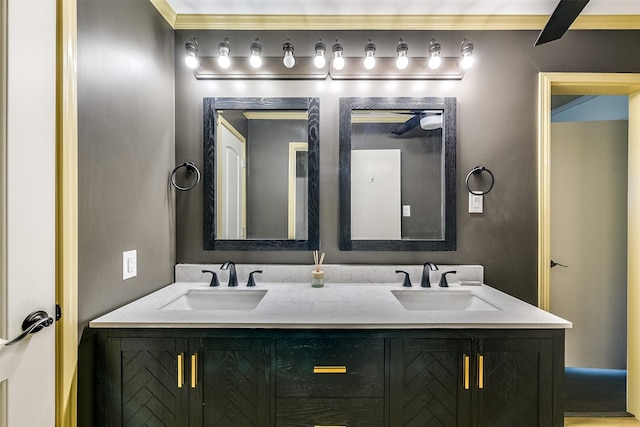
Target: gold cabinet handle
180,370
317,425
194,370
480,371
466,372
329,370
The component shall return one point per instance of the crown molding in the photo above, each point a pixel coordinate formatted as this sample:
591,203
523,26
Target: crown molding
384,22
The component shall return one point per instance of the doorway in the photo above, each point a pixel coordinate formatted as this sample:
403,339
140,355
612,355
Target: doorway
578,84
589,248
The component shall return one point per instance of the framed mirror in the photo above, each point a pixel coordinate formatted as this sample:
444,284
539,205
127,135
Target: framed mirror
261,173
397,174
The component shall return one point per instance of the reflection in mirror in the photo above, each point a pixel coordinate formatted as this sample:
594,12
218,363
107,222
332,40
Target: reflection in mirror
261,173
397,179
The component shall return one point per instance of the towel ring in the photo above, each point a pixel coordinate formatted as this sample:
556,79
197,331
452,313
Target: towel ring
191,167
477,171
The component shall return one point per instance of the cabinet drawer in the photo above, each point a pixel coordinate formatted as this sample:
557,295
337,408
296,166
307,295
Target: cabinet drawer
330,368
311,412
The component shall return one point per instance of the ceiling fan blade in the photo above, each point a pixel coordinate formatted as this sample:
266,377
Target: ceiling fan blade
407,126
566,12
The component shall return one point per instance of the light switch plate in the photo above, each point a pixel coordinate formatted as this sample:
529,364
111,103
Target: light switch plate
129,264
475,203
406,210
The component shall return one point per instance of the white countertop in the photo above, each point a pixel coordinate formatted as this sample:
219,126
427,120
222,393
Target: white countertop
335,306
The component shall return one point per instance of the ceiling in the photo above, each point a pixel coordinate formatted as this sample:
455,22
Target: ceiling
394,7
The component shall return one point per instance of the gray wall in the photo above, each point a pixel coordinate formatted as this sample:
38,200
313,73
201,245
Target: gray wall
125,152
496,128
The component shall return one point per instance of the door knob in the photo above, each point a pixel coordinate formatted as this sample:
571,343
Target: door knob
33,323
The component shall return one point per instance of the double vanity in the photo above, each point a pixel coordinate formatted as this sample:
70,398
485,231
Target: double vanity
363,350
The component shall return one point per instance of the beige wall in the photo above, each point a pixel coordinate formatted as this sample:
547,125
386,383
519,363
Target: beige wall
589,234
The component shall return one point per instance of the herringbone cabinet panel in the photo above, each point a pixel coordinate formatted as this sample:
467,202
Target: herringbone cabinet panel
235,389
427,386
150,395
515,384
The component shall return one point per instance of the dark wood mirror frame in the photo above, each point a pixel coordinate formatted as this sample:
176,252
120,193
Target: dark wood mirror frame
448,106
312,107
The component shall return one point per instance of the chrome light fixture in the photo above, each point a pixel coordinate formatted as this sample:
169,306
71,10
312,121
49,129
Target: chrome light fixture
466,51
403,59
370,55
434,55
319,60
191,58
289,61
338,59
255,60
223,54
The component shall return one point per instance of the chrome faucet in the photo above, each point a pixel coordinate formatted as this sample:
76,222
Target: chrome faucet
233,277
425,282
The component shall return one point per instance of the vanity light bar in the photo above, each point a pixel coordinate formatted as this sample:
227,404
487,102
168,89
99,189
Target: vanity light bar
337,66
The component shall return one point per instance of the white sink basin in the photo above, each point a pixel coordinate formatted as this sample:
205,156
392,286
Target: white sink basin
217,299
442,300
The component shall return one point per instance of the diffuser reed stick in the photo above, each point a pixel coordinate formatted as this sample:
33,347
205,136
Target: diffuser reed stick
317,276
318,259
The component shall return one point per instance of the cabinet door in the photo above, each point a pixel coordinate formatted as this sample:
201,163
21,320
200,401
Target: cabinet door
232,386
514,382
145,382
430,382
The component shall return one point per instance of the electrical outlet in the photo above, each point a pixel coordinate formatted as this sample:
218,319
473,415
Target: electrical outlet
129,264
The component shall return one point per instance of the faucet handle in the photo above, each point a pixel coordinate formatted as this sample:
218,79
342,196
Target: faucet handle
214,278
407,280
443,279
251,282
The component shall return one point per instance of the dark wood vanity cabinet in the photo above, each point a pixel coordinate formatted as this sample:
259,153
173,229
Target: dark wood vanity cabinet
368,378
330,382
196,381
232,384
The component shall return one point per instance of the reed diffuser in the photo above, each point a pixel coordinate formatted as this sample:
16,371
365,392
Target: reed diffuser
317,275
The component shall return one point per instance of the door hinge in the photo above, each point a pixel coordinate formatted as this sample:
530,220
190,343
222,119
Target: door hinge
58,312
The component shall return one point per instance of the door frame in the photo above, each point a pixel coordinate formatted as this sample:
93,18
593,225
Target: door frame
66,213
593,84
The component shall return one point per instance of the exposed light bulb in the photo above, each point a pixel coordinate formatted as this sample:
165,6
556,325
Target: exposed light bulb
467,61
319,61
434,55
289,61
370,58
255,60
224,61
466,51
223,58
191,58
370,61
403,60
338,59
435,62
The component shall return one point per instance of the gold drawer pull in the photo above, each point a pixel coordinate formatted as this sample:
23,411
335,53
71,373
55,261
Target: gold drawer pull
317,425
329,370
480,371
466,372
194,370
180,370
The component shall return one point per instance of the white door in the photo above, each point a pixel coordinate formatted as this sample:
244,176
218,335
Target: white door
231,182
375,194
27,237
589,236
